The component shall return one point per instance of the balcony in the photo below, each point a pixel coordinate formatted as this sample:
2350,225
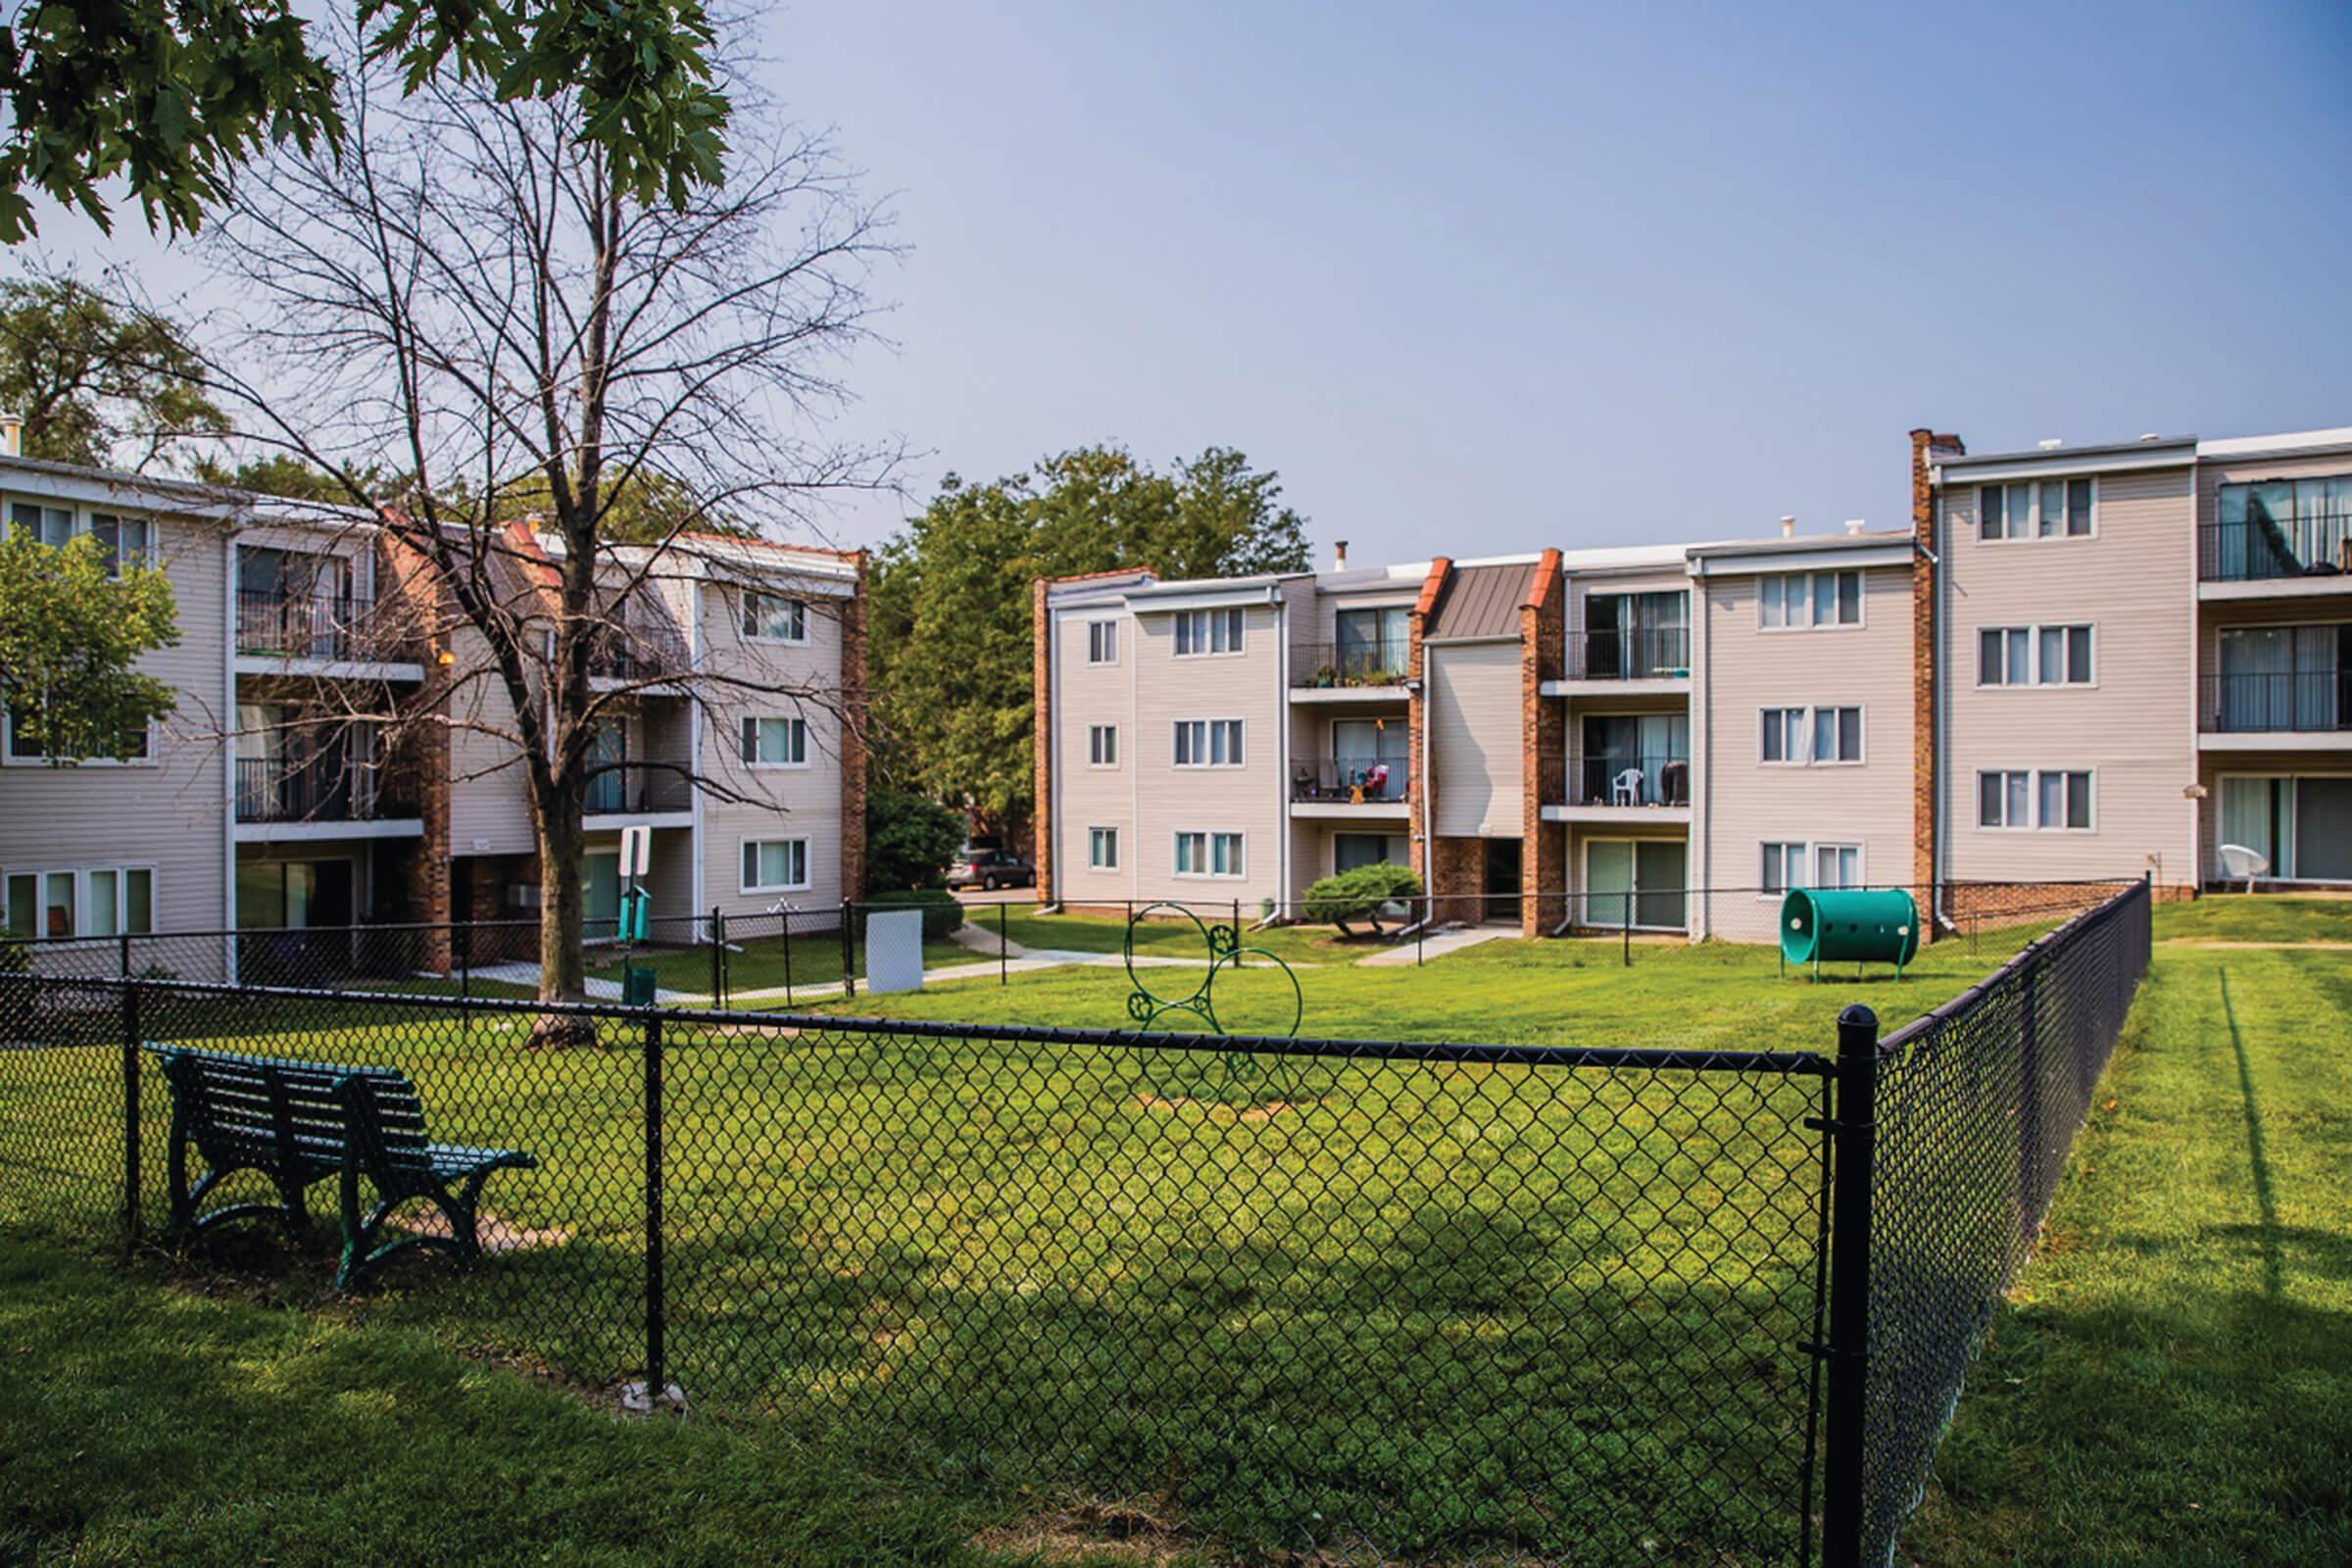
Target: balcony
1624,787
341,630
1349,786
2308,553
330,793
637,790
630,653
1631,654
1374,665
2297,710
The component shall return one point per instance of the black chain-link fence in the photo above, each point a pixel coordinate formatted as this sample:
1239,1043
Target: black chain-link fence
1359,1296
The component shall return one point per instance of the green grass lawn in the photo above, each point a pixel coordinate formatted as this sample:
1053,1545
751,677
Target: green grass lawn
761,964
1169,935
2264,917
965,1287
2172,1382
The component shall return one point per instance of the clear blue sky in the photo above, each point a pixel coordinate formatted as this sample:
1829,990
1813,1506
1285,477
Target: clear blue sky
1485,278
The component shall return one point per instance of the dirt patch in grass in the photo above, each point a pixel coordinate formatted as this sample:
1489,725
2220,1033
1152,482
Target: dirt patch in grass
1214,1111
1094,1532
495,1233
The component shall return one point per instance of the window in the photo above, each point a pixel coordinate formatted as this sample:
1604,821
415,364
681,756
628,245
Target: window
1802,736
100,902
1209,854
1372,644
1209,631
1352,849
1102,641
2033,656
775,866
2054,798
2281,528
775,742
121,539
1789,865
51,525
1103,849
1102,744
774,618
23,747
2025,508
1637,636
1209,743
1799,600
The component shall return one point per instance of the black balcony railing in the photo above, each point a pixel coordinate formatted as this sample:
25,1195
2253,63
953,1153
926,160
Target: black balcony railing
638,789
1629,778
1634,653
289,625
1350,780
327,789
1352,661
634,653
2297,700
2261,548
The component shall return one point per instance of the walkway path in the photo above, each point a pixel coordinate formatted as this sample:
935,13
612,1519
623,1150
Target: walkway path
1437,945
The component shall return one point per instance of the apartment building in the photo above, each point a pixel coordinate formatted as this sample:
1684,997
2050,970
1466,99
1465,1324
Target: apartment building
277,796
2141,652
2075,664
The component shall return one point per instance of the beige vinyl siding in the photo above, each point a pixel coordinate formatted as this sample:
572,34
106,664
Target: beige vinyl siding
1474,736
2133,580
489,793
1085,795
1748,803
1248,799
170,814
778,802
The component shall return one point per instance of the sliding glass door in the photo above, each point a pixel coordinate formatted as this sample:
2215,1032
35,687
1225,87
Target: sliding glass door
1640,878
2302,825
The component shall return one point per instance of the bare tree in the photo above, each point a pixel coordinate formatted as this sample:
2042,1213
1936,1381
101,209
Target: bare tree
471,300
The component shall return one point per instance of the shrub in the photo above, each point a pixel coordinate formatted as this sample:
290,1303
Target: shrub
942,914
1358,894
909,839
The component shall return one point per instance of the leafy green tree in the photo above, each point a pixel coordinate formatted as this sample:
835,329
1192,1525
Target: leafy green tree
1360,894
172,96
91,377
909,841
950,600
71,634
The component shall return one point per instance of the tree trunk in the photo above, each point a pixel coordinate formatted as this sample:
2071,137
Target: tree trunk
562,915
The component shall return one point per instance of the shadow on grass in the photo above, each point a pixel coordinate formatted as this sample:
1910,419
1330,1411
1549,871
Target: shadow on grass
2265,1200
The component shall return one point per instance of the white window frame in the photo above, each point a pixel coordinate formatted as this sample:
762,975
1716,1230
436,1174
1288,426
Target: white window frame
2034,777
2033,534
752,619
1101,643
1238,753
749,847
1810,727
1209,837
1201,628
1805,579
82,875
10,758
2033,635
1102,746
1809,851
793,725
1099,839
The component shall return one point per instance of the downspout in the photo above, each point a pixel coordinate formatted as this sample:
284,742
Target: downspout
228,761
1282,771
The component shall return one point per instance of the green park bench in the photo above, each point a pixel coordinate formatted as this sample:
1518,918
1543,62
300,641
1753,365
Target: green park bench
299,1122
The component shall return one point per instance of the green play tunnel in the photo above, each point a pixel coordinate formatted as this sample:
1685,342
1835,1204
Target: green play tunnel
1822,925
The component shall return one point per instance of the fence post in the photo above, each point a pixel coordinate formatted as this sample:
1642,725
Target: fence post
1003,967
657,1374
849,949
718,962
131,1107
1626,933
2028,1107
1853,1146
786,917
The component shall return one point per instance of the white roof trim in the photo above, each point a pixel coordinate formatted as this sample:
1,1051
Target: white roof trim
1772,561
2263,446
2061,464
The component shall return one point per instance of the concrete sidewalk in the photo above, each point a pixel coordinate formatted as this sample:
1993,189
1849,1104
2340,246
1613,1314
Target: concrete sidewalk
1437,945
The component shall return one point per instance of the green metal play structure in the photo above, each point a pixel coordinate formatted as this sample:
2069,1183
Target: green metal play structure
1820,924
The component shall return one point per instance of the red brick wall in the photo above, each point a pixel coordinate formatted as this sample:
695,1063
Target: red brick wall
1459,871
407,587
1418,789
1543,737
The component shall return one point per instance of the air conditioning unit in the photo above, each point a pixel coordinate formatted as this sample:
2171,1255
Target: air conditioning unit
523,895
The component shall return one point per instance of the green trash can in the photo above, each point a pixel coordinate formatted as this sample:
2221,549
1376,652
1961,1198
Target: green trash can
1819,924
636,987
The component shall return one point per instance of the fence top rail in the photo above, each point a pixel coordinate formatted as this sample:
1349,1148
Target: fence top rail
1777,1063
2030,954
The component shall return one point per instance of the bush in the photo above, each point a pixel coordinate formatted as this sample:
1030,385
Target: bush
909,840
942,914
1358,894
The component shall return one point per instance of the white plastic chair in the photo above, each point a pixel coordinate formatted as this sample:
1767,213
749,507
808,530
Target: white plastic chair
1626,788
2240,861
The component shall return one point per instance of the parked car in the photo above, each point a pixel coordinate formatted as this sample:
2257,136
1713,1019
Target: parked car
991,869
